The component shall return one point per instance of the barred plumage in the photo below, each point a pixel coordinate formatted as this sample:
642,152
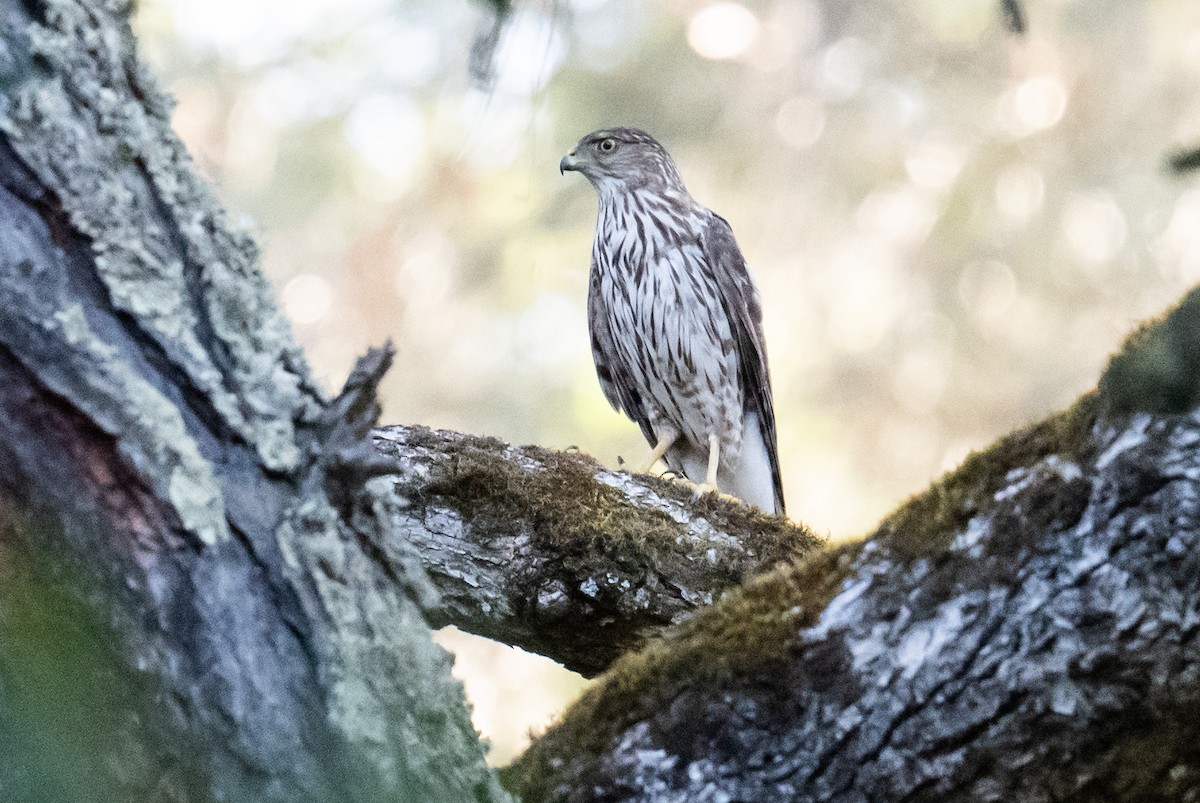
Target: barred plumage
676,322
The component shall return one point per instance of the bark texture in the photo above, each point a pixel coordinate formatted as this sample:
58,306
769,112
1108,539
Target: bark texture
186,523
551,552
1027,629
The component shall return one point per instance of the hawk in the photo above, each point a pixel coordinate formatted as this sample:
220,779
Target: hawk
675,321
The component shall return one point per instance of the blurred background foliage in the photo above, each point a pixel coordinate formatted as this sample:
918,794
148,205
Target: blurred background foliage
952,226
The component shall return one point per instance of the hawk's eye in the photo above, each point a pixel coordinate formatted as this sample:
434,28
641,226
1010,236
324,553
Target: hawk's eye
607,145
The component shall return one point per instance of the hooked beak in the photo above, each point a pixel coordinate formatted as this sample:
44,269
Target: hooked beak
568,163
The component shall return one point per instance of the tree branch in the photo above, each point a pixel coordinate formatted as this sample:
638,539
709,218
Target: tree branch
1184,160
1014,16
1026,629
551,552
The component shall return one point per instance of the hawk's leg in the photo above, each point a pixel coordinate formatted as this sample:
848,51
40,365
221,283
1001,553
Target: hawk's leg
714,459
665,441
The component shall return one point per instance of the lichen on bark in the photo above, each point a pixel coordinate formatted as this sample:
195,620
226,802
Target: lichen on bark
90,122
552,552
1014,632
158,418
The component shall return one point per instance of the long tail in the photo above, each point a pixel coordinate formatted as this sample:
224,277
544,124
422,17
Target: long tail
754,480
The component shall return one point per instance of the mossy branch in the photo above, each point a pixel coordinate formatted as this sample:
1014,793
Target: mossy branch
551,552
1026,629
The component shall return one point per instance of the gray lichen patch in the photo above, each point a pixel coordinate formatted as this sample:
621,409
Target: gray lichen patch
48,326
162,246
386,683
148,428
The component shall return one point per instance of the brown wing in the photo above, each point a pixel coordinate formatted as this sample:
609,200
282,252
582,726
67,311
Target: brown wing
740,299
618,386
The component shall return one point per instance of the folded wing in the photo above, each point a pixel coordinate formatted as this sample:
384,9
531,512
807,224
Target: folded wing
744,311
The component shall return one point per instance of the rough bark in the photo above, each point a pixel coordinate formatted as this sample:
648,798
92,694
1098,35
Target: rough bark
1027,629
551,552
186,524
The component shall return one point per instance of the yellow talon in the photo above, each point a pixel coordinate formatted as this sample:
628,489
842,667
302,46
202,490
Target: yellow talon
660,449
709,486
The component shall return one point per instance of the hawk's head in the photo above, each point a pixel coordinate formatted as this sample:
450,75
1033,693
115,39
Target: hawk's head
618,160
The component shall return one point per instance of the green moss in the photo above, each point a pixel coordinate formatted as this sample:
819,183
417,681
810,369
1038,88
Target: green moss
753,631
561,499
928,522
557,497
1157,370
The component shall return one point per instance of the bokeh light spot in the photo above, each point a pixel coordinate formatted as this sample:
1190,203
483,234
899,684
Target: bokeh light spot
1094,227
1020,191
843,67
307,298
898,214
1034,105
388,134
722,31
935,161
920,381
530,51
867,300
426,274
988,290
1041,102
1180,242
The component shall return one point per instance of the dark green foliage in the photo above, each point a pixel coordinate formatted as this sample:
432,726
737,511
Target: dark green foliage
1158,368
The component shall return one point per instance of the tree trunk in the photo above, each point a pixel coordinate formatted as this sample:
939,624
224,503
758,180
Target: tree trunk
192,605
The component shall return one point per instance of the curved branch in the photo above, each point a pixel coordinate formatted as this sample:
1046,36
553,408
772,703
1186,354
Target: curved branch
551,552
1026,629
